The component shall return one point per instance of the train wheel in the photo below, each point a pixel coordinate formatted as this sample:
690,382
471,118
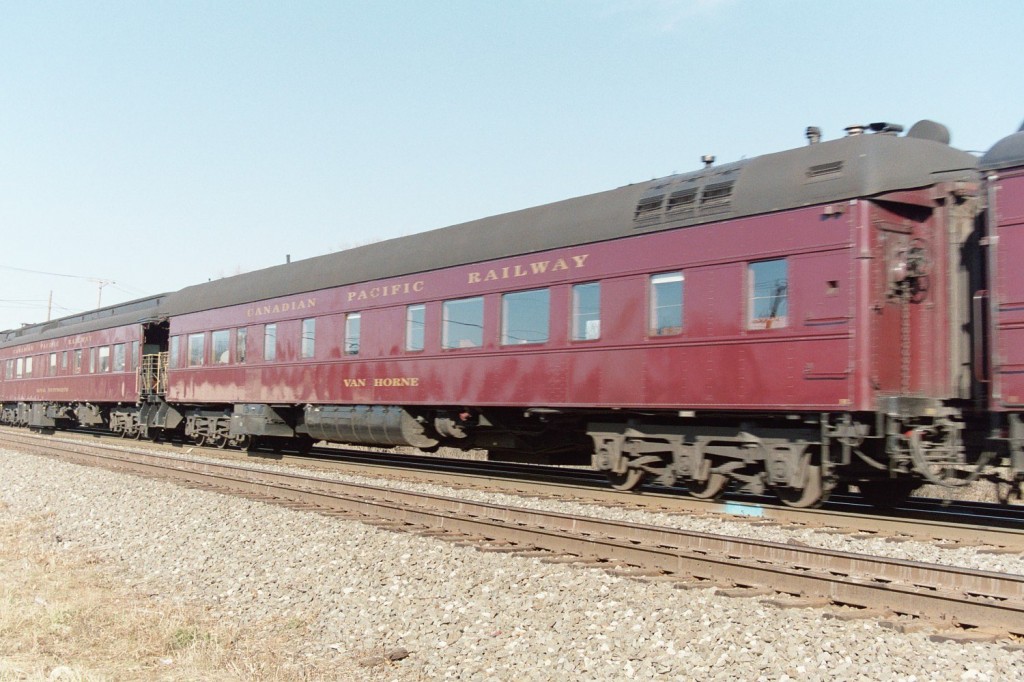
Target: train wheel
199,440
811,495
884,494
708,489
627,481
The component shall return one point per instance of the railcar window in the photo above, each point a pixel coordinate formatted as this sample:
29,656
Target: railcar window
308,338
463,323
586,311
93,365
9,369
133,359
118,357
240,338
415,319
196,344
768,294
353,324
104,356
666,304
220,341
53,364
525,317
78,361
21,367
269,341
64,361
173,353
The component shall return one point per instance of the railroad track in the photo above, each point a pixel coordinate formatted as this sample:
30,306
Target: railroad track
944,595
988,527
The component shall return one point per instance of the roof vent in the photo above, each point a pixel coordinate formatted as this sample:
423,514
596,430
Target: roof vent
883,127
708,160
854,130
929,130
813,134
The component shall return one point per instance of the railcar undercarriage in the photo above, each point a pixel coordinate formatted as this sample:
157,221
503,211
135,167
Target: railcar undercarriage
798,458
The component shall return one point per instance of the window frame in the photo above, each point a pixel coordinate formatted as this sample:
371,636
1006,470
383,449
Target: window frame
446,322
174,352
223,336
270,349
410,332
307,335
241,345
117,357
353,321
196,345
576,316
509,298
774,320
654,330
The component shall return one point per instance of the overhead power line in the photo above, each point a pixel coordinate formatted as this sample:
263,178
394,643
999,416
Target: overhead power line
42,272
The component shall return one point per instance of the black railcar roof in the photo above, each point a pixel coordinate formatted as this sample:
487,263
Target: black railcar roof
850,167
854,166
1007,153
130,312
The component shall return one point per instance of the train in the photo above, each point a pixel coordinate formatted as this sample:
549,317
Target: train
844,315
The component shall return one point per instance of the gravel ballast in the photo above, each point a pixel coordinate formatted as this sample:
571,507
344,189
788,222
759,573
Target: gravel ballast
460,614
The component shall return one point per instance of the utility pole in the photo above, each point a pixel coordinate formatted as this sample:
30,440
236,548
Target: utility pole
100,284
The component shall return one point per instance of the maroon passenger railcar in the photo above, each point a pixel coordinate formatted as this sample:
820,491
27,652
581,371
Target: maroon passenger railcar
77,370
1003,368
785,322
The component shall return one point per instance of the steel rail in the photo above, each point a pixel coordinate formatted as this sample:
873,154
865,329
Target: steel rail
920,526
954,596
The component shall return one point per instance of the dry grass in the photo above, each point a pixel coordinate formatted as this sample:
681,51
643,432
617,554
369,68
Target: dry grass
63,618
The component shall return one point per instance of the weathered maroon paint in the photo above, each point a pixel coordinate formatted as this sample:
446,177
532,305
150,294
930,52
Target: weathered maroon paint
840,350
1007,290
67,385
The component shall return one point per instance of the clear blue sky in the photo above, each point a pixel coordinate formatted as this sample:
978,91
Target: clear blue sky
161,144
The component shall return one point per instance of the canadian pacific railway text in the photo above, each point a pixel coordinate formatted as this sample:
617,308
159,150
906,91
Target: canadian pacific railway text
388,290
535,268
281,307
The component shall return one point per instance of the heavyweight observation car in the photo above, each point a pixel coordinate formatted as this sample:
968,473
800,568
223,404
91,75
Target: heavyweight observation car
790,322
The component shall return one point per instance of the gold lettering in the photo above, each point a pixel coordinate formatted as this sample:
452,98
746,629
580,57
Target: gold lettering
354,383
560,264
580,260
491,276
540,267
418,285
474,278
395,382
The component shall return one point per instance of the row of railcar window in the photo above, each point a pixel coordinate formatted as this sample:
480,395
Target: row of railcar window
525,319
98,359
